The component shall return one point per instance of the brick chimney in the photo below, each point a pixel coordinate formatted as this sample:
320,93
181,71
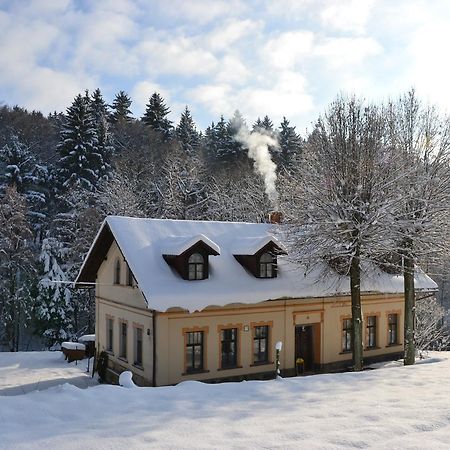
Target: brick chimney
275,217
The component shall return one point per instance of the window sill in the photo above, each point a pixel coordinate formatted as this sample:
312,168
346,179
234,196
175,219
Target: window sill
262,363
229,368
194,372
393,345
110,352
121,358
367,349
346,352
138,366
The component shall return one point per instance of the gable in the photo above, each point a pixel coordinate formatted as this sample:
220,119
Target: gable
95,257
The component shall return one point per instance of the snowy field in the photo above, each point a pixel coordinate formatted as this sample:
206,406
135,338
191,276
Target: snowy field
393,407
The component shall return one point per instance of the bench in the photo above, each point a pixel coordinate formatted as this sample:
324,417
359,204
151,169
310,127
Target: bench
73,351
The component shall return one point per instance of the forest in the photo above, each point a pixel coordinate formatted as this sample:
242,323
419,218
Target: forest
370,182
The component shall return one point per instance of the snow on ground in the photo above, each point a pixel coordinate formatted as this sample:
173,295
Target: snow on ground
25,372
393,407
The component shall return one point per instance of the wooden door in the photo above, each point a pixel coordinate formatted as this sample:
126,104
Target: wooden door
304,346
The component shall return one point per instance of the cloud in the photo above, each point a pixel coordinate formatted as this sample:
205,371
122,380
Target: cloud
347,51
347,15
287,49
201,12
232,33
177,55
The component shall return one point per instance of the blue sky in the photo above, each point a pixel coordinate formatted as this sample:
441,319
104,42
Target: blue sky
284,57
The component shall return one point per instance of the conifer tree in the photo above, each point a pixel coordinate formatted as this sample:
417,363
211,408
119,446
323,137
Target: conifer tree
222,139
187,133
290,143
121,108
99,108
19,168
155,116
81,164
236,149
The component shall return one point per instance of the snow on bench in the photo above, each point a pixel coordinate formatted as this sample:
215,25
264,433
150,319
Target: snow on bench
73,346
87,338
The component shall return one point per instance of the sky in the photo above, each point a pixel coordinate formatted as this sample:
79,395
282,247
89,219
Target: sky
281,58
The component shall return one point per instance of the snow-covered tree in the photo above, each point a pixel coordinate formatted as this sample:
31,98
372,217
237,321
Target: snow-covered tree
431,332
290,143
121,108
222,141
155,116
16,268
19,168
99,107
187,133
341,198
53,310
421,138
81,164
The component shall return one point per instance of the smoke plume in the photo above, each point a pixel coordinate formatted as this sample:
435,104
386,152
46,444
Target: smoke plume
257,143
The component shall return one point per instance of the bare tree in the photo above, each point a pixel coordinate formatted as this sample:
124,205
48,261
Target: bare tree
431,332
421,138
339,201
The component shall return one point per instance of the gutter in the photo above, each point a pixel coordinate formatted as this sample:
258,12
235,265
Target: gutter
154,349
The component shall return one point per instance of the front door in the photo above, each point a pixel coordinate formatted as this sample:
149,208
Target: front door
304,346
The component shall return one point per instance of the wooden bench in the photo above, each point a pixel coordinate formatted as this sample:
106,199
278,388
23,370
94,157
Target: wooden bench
73,351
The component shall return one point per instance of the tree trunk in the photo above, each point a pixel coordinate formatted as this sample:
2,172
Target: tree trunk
410,309
355,289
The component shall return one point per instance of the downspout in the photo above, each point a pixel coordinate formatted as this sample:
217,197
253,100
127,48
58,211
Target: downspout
154,348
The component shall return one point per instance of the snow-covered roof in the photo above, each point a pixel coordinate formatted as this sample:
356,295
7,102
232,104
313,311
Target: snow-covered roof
176,245
251,245
144,241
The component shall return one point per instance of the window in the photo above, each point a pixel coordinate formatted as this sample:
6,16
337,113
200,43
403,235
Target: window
347,335
138,346
109,334
392,329
117,272
194,351
196,267
129,276
266,266
261,344
123,340
228,345
371,331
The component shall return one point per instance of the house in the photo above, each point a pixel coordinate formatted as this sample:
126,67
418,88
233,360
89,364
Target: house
195,300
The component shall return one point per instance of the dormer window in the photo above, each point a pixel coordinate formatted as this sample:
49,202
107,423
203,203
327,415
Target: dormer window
267,266
196,264
189,256
117,271
259,255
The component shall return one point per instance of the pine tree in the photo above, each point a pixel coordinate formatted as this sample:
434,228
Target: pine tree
81,164
267,124
155,116
223,141
237,151
187,133
99,107
121,108
53,311
290,143
257,125
19,168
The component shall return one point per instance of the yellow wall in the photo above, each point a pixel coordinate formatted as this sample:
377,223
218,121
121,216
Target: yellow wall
325,314
122,303
125,303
